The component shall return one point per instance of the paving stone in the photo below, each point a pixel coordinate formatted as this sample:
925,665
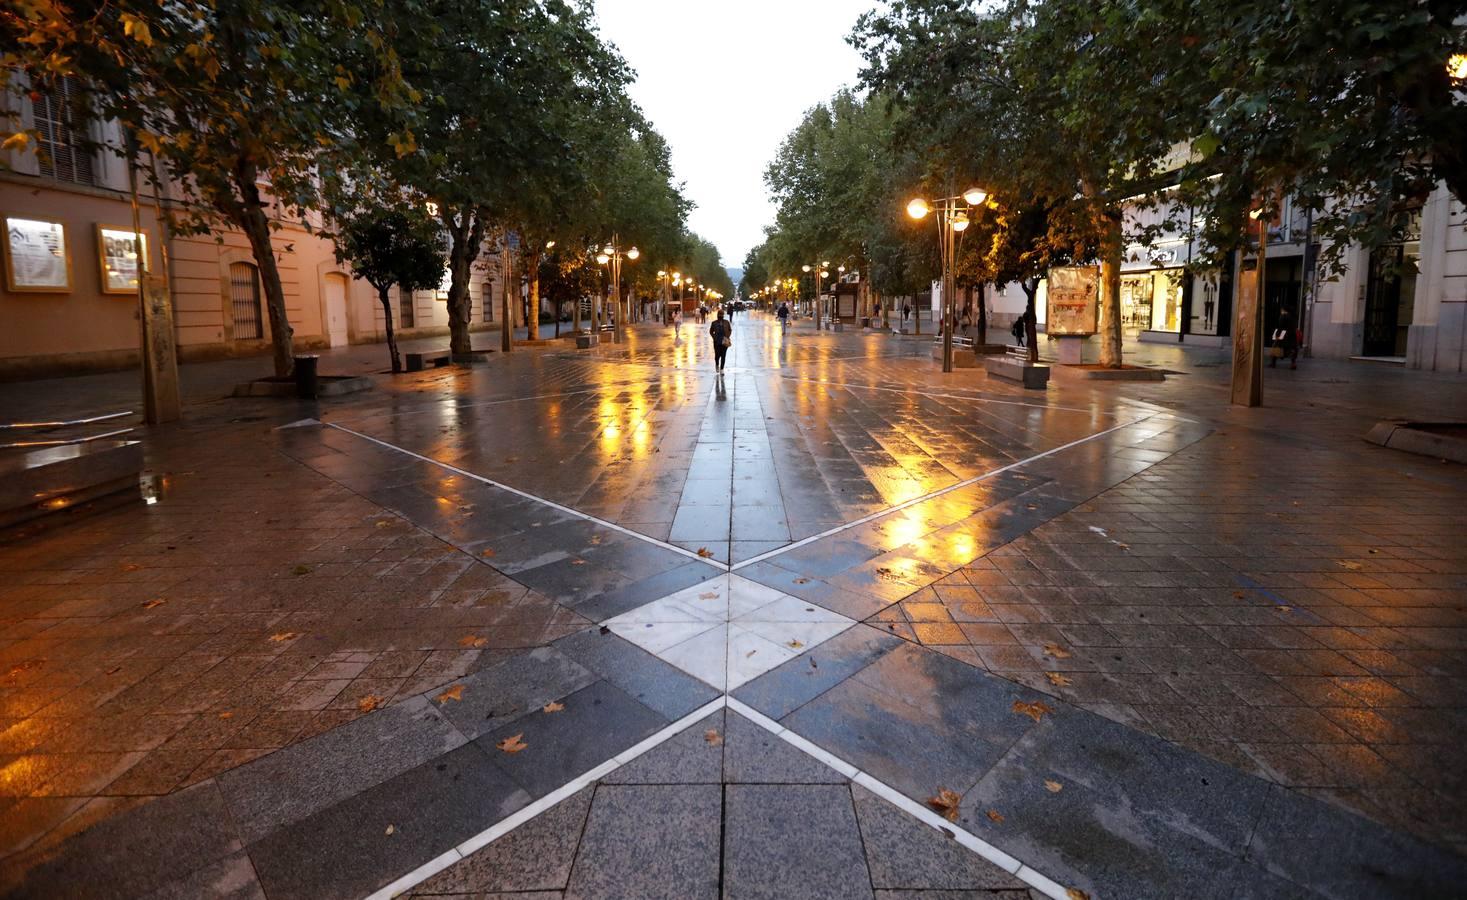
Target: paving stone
536,856
752,755
513,689
902,852
792,841
792,684
650,841
688,758
231,878
295,782
366,841
597,723
655,684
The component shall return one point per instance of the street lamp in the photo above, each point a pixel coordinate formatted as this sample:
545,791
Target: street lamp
952,220
611,256
819,270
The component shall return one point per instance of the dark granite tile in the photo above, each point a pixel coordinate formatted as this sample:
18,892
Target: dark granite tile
1341,855
141,850
650,842
536,856
370,839
231,878
792,841
512,689
751,755
656,684
905,853
597,723
791,685
626,597
688,758
290,784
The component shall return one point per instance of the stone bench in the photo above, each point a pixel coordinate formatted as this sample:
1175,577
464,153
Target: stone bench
52,480
1014,366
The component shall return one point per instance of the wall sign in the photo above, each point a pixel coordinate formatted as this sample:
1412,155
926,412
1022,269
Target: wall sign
1073,295
36,256
117,255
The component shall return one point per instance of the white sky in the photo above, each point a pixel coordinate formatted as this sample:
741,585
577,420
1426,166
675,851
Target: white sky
724,81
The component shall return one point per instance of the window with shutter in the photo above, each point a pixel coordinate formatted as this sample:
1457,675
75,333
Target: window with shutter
406,314
62,122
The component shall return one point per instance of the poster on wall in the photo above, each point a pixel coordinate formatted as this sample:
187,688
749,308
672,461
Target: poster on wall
36,256
1072,308
118,256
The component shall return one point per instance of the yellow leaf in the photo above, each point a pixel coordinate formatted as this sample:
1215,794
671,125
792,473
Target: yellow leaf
1057,679
487,553
284,636
796,644
1054,787
1352,566
136,28
552,707
705,552
1076,894
712,737
1056,651
512,744
390,829
369,703
472,640
226,715
154,604
1035,710
454,693
17,141
946,802
995,815
708,595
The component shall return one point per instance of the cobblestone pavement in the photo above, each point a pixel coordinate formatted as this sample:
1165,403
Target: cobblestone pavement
604,624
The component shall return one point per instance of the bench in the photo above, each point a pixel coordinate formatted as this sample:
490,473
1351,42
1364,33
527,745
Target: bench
1014,365
416,362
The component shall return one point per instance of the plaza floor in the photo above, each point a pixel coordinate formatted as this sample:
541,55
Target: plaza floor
832,624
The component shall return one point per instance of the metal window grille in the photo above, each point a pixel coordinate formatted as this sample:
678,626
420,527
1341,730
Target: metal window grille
61,121
244,302
406,313
488,301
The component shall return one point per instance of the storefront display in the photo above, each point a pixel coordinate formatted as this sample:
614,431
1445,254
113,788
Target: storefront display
36,256
1136,302
1073,292
117,254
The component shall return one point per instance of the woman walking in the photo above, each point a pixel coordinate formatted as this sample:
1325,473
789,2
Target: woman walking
722,333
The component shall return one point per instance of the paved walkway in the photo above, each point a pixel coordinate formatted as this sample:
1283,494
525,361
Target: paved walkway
602,624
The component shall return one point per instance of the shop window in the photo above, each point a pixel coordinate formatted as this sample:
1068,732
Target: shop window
62,123
1166,302
244,302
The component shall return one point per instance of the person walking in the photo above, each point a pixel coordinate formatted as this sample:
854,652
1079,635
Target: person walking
722,333
784,317
906,313
1285,341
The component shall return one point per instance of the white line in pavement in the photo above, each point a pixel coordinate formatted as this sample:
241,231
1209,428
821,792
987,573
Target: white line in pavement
528,496
973,842
505,826
925,497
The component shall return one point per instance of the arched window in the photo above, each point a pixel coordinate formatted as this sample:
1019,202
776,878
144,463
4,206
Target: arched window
244,302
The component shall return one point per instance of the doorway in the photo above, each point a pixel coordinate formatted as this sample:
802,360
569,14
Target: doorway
336,331
1390,299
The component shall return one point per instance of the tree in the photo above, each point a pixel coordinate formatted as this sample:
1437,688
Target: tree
392,244
228,96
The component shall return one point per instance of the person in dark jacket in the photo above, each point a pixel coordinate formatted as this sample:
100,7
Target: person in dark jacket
722,333
1285,337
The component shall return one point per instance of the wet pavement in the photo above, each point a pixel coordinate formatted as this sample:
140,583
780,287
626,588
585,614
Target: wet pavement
600,624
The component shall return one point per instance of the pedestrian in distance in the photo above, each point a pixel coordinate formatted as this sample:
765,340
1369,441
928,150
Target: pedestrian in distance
677,324
906,313
722,333
784,316
1284,341
1018,331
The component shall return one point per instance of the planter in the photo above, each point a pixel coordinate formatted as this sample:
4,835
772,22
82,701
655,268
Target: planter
1442,440
1032,377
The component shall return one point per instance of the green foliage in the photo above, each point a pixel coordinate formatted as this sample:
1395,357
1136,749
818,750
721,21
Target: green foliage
392,245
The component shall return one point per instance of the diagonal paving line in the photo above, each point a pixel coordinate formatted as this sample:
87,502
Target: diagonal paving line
528,496
938,493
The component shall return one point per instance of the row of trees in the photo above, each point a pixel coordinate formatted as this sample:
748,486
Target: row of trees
1073,113
416,132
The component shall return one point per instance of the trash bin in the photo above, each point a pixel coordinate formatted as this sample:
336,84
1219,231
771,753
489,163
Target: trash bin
305,376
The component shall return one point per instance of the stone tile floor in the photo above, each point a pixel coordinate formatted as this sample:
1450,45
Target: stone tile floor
321,628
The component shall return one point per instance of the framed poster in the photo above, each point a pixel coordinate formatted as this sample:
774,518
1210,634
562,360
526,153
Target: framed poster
1073,294
36,256
117,255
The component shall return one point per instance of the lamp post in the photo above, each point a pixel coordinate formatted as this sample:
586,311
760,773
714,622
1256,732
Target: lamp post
820,271
952,221
611,256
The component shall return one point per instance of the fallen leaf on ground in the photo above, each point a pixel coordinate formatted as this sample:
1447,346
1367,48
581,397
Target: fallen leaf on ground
1035,710
284,636
472,640
802,581
226,715
796,644
578,562
153,604
1058,678
1238,594
1076,894
1372,551
382,523
995,815
708,595
705,552
454,693
712,737
131,567
1054,787
1352,566
390,829
552,707
946,802
605,630
512,744
1284,608
595,539
750,653
1056,651
369,703
300,570
486,553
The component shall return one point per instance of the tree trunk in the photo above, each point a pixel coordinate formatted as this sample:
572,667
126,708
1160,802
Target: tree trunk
466,234
1112,247
982,317
506,274
530,261
256,227
382,294
1031,325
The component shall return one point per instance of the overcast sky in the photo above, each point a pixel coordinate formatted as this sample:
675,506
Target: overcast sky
724,81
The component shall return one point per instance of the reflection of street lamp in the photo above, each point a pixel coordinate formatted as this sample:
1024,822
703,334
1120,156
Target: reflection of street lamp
613,255
952,221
